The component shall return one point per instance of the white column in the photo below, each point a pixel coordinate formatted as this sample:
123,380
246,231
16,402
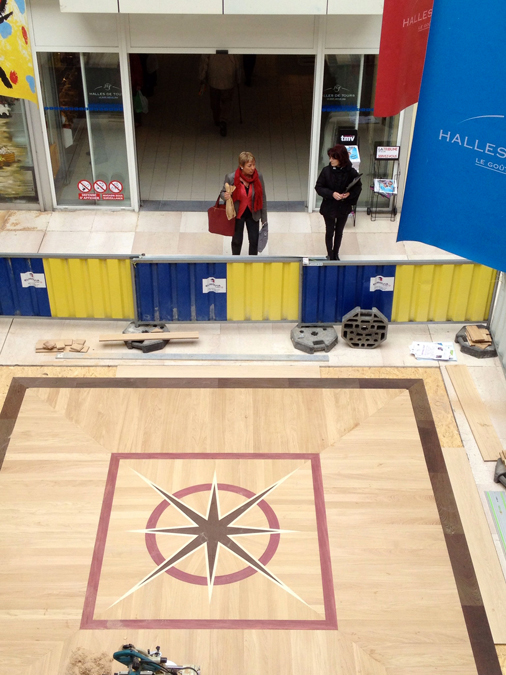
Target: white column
88,116
359,91
45,137
126,88
320,35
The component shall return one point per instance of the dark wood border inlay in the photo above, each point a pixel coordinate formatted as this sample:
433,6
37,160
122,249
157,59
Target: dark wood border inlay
9,414
475,617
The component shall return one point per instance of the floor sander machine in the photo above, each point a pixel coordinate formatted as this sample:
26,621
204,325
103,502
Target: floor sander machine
140,662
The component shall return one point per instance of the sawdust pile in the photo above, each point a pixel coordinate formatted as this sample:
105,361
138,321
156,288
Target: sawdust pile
84,662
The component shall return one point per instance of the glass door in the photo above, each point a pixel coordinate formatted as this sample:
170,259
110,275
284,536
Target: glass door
83,107
349,85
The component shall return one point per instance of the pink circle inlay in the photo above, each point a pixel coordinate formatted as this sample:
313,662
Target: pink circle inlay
159,558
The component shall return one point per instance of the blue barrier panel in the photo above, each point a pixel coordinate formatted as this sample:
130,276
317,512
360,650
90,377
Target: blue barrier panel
175,291
19,300
331,291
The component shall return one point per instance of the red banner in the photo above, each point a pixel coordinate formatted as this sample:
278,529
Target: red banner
404,35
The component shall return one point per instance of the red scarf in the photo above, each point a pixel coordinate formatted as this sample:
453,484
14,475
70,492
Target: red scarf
244,198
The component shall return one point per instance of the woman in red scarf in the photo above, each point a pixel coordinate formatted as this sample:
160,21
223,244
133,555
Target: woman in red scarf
249,201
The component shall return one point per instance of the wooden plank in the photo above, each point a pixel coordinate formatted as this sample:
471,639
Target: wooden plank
245,371
84,350
501,653
122,337
476,413
365,664
476,334
64,345
442,412
479,538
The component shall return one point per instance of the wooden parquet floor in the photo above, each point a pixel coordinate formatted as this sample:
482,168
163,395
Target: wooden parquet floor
248,526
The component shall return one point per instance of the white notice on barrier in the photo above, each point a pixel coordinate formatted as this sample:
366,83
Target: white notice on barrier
212,285
382,284
31,279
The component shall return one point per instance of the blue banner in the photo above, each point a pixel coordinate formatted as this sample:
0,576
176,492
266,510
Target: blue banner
456,185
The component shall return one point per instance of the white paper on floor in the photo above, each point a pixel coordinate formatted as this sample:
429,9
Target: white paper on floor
433,351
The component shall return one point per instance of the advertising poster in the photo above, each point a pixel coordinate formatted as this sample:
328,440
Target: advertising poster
456,180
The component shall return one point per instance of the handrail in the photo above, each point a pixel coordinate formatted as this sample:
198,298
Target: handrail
316,260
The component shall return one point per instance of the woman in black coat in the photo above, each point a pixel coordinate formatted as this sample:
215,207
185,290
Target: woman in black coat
338,198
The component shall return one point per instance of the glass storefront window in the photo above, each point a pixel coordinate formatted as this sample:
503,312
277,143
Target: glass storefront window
83,106
17,176
349,85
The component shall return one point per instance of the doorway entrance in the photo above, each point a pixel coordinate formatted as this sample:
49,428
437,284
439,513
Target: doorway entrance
183,158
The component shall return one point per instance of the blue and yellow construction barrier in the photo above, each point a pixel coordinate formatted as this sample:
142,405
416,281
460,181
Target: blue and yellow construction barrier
265,291
443,292
94,288
176,290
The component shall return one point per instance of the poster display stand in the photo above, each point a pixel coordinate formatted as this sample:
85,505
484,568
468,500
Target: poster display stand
385,174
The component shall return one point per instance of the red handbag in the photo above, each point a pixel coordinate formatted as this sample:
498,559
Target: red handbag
218,221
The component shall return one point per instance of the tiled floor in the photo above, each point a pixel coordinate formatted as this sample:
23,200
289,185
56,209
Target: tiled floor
181,154
172,233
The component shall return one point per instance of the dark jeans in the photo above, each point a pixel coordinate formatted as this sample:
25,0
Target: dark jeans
253,230
334,234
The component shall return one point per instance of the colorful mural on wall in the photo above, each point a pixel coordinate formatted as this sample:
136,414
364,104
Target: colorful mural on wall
16,66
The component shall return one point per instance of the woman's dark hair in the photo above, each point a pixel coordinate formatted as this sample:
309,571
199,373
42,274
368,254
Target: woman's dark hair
341,153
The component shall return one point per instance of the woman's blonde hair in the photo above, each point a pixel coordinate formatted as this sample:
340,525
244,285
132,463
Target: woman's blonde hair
246,157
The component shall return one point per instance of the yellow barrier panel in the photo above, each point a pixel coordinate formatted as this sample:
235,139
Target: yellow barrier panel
442,292
90,288
263,291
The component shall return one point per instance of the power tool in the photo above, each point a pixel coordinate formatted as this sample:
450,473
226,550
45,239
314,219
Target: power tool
140,662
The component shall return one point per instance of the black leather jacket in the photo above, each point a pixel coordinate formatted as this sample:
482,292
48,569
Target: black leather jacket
333,180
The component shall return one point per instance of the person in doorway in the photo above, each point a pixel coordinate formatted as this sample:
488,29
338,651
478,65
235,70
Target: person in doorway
222,72
250,202
149,73
248,64
334,184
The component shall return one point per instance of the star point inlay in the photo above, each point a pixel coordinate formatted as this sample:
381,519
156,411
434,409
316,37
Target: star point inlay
212,531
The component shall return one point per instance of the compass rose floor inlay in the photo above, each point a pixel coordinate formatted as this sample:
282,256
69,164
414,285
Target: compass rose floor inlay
245,525
215,535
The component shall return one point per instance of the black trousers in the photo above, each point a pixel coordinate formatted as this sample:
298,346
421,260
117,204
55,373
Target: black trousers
334,227
253,230
221,104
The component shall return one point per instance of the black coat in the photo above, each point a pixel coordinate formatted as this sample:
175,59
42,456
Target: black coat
333,180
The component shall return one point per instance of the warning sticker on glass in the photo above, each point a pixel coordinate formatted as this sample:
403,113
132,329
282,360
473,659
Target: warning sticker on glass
213,285
31,279
382,284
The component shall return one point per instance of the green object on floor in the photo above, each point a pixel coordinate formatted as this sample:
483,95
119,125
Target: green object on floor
497,503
